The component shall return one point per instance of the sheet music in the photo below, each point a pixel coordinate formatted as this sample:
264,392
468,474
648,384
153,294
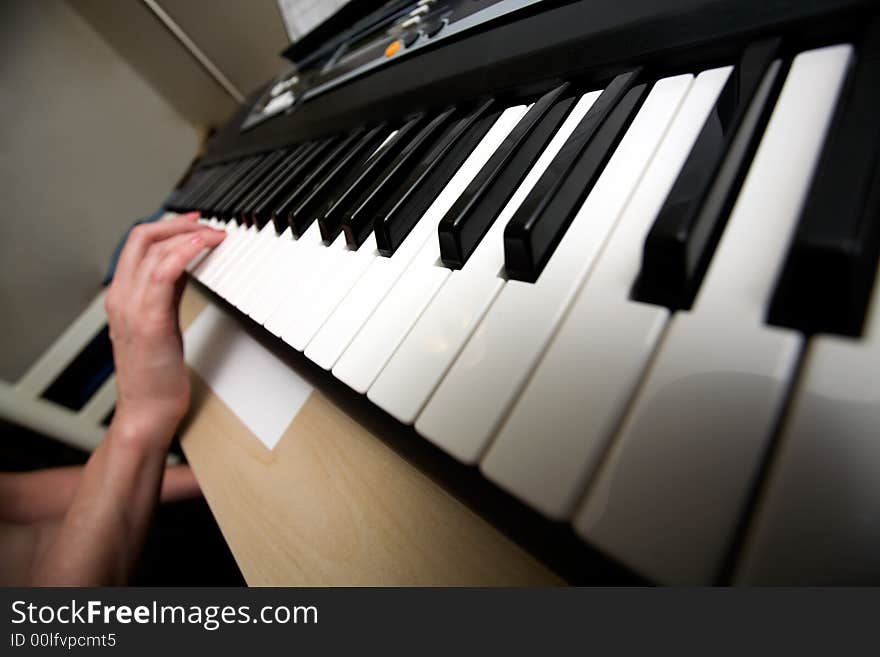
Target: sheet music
301,16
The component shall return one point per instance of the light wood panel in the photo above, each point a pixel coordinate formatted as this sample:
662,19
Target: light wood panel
334,505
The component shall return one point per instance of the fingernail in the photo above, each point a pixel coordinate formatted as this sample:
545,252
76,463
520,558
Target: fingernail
197,240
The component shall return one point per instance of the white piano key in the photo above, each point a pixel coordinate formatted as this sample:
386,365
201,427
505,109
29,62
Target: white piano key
301,295
389,324
818,515
264,284
330,270
549,446
199,270
670,493
361,362
243,235
205,266
357,306
477,392
197,261
273,286
426,353
310,250
324,298
238,237
245,261
246,295
257,261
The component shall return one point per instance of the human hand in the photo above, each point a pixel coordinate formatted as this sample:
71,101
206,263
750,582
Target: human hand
142,311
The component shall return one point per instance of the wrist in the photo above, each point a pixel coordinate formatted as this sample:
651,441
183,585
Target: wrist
143,428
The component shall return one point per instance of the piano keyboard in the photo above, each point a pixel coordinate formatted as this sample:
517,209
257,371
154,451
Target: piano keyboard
646,310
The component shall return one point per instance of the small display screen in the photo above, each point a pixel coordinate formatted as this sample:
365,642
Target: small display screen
352,47
378,33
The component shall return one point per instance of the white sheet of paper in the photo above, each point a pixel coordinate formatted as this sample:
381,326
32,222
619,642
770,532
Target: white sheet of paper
265,393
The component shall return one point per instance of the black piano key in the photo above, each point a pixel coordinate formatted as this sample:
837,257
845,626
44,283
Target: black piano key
235,190
270,181
232,205
331,222
268,209
684,235
300,218
360,220
195,185
323,194
826,281
540,222
272,207
323,172
235,177
462,228
201,202
395,221
223,176
173,203
176,201
210,206
260,211
195,196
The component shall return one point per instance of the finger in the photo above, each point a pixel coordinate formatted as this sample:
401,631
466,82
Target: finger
158,250
143,236
146,280
170,216
162,274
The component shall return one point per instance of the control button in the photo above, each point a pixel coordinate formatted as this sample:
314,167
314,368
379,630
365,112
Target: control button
409,22
392,48
418,11
434,27
410,38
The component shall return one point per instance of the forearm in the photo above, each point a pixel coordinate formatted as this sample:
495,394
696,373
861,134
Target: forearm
97,541
27,497
100,535
41,495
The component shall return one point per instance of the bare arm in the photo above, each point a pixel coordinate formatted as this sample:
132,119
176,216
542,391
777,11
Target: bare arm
28,497
97,540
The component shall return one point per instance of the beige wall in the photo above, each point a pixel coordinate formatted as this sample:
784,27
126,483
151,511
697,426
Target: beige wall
86,147
241,38
103,109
